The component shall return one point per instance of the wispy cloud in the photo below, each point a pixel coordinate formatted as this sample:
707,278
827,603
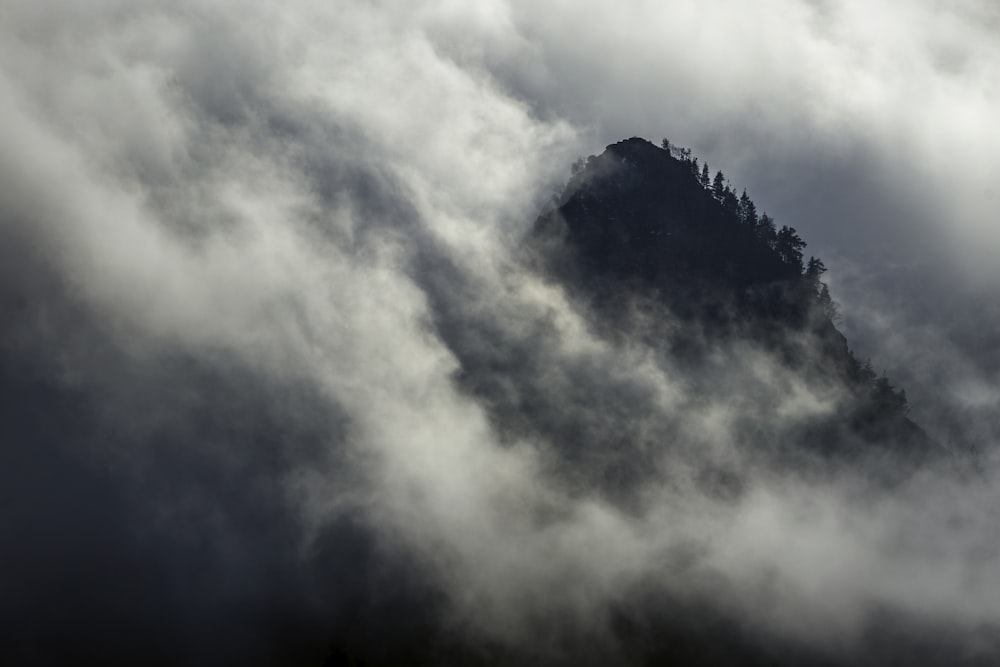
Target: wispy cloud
269,252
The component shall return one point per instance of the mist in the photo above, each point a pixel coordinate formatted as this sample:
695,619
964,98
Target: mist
277,377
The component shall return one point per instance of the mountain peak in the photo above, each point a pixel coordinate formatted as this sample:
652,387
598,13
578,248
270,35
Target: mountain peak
649,223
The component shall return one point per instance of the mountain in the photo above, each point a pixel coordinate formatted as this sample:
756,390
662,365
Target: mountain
643,227
685,358
664,266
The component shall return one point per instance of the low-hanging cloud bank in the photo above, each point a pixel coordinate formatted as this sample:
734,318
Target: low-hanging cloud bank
271,361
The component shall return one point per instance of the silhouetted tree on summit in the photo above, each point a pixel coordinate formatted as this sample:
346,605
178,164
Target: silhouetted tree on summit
887,399
747,210
730,201
719,186
705,178
789,245
766,231
829,306
813,274
866,373
814,271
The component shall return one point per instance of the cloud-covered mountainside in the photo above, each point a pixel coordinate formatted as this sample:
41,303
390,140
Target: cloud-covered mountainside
301,363
641,439
662,252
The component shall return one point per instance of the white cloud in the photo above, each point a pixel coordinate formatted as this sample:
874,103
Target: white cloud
262,179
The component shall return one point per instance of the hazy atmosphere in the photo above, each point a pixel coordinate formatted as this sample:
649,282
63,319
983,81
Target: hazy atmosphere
278,383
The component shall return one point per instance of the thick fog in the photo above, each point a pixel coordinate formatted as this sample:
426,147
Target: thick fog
276,378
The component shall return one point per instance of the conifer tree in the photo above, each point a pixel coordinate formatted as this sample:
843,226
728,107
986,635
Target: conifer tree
867,373
719,186
814,271
887,399
789,245
747,210
705,178
830,307
766,231
730,201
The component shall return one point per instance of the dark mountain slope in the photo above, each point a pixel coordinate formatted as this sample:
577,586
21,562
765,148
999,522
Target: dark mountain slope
642,224
636,213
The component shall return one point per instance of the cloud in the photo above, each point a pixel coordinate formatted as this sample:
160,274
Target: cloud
848,127
263,262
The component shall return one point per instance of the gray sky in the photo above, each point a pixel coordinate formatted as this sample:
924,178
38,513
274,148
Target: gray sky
306,212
